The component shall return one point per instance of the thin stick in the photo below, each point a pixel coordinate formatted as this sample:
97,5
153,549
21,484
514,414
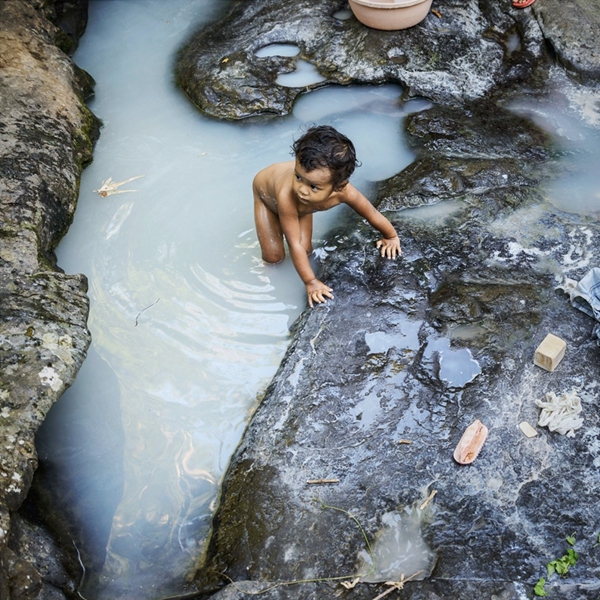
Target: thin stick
429,499
396,585
314,481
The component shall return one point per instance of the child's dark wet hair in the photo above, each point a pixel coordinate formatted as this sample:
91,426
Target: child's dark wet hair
325,147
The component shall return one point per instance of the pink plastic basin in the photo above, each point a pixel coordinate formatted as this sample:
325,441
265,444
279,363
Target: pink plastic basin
390,14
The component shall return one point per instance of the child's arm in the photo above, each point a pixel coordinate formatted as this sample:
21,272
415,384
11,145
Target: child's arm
390,244
315,290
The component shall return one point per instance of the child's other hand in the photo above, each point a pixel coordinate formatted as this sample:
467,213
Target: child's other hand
389,247
316,292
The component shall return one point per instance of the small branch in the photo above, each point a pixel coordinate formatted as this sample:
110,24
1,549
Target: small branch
429,499
315,481
396,585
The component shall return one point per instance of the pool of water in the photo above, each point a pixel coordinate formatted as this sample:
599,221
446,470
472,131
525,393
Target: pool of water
571,114
188,324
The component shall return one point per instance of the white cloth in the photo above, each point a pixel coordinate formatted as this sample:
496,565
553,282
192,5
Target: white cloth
585,295
561,414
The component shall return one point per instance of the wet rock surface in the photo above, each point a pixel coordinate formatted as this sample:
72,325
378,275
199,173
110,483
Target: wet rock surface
375,366
460,55
380,383
459,52
571,31
46,137
411,350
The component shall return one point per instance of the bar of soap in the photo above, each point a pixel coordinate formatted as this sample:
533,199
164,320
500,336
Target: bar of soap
550,352
527,429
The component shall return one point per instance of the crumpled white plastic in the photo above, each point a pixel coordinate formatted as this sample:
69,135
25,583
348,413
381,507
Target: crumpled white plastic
560,414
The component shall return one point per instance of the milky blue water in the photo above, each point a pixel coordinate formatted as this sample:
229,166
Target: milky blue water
188,324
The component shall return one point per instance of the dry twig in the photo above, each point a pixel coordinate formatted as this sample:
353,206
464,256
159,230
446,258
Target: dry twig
396,585
314,481
429,499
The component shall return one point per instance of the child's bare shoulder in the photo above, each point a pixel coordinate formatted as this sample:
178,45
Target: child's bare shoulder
273,175
349,194
277,169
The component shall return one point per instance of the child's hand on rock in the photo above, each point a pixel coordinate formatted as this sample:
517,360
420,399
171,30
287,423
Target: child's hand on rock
389,247
316,291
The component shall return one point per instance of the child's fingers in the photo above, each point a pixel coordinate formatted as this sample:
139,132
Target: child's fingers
390,251
318,296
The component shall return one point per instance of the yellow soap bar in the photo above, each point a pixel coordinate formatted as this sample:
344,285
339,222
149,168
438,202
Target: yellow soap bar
527,429
550,352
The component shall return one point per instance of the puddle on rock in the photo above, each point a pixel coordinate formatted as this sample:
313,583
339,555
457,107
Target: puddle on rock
577,188
399,549
380,342
513,43
466,332
278,50
454,366
342,15
306,74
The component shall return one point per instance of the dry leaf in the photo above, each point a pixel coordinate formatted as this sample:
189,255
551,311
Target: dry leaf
109,187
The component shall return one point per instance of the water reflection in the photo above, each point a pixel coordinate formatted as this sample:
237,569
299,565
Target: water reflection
190,322
454,366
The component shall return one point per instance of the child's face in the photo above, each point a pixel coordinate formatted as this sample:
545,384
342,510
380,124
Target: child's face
312,187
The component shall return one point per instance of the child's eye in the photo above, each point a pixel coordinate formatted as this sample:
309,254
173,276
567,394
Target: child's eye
297,176
314,188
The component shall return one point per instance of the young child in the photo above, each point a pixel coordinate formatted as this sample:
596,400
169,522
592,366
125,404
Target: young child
287,194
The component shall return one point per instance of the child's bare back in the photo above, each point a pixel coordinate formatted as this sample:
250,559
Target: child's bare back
287,194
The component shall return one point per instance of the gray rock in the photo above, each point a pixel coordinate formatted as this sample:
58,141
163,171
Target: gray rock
46,137
475,288
571,29
456,57
363,373
366,369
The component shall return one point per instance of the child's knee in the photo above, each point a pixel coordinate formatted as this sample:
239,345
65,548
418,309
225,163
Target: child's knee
273,258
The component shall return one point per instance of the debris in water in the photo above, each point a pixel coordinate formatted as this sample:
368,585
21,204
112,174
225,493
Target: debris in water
398,549
144,310
317,481
109,187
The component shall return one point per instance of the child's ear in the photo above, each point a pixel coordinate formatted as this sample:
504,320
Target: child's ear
341,185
